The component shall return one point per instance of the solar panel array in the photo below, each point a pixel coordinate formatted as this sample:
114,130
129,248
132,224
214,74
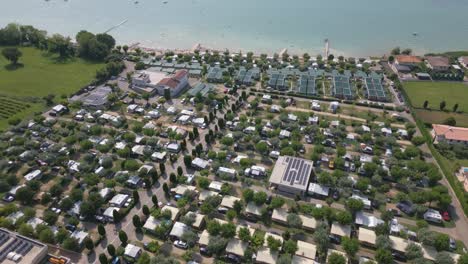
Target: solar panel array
244,77
277,80
375,90
306,85
17,245
297,172
215,74
342,87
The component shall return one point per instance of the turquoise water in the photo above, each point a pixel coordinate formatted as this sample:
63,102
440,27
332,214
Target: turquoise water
359,27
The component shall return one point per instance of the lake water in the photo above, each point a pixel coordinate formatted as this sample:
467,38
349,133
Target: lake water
358,28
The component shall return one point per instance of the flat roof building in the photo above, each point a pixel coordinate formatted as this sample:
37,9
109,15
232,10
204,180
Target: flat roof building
292,175
280,215
306,250
308,222
236,247
15,248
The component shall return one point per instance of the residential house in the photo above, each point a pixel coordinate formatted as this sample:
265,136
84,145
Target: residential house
438,63
449,134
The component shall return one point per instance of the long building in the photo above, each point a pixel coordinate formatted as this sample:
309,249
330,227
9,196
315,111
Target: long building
18,249
291,175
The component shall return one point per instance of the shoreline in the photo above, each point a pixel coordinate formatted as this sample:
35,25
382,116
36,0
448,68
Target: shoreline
202,47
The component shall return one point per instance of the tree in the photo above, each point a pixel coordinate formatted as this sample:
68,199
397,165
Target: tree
262,147
190,238
273,244
12,54
463,259
455,107
321,239
228,230
116,216
237,206
336,258
444,258
344,217
354,205
103,258
25,195
426,103
442,105
89,244
70,244
260,198
396,51
216,245
244,234
284,259
47,236
136,222
123,237
294,221
442,242
136,196
248,195
50,217
155,201
61,45
166,188
450,121
290,247
107,39
167,94
413,251
146,210
111,250
277,202
383,256
350,246
101,230
383,242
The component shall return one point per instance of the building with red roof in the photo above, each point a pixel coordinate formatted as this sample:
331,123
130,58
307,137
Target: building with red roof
450,134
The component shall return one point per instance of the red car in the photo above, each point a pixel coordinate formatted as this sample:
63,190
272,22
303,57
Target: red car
446,216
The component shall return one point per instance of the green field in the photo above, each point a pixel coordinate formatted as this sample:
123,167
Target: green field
435,92
40,74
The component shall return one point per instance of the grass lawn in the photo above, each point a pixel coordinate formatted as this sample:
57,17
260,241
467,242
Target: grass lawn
438,117
435,92
40,74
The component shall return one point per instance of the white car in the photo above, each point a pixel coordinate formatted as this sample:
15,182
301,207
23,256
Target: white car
180,244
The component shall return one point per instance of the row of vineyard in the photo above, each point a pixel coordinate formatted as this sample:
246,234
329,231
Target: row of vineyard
10,107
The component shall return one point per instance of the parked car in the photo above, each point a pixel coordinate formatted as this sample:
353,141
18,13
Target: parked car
222,210
446,216
406,207
8,198
452,244
233,258
70,227
399,256
205,252
180,244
